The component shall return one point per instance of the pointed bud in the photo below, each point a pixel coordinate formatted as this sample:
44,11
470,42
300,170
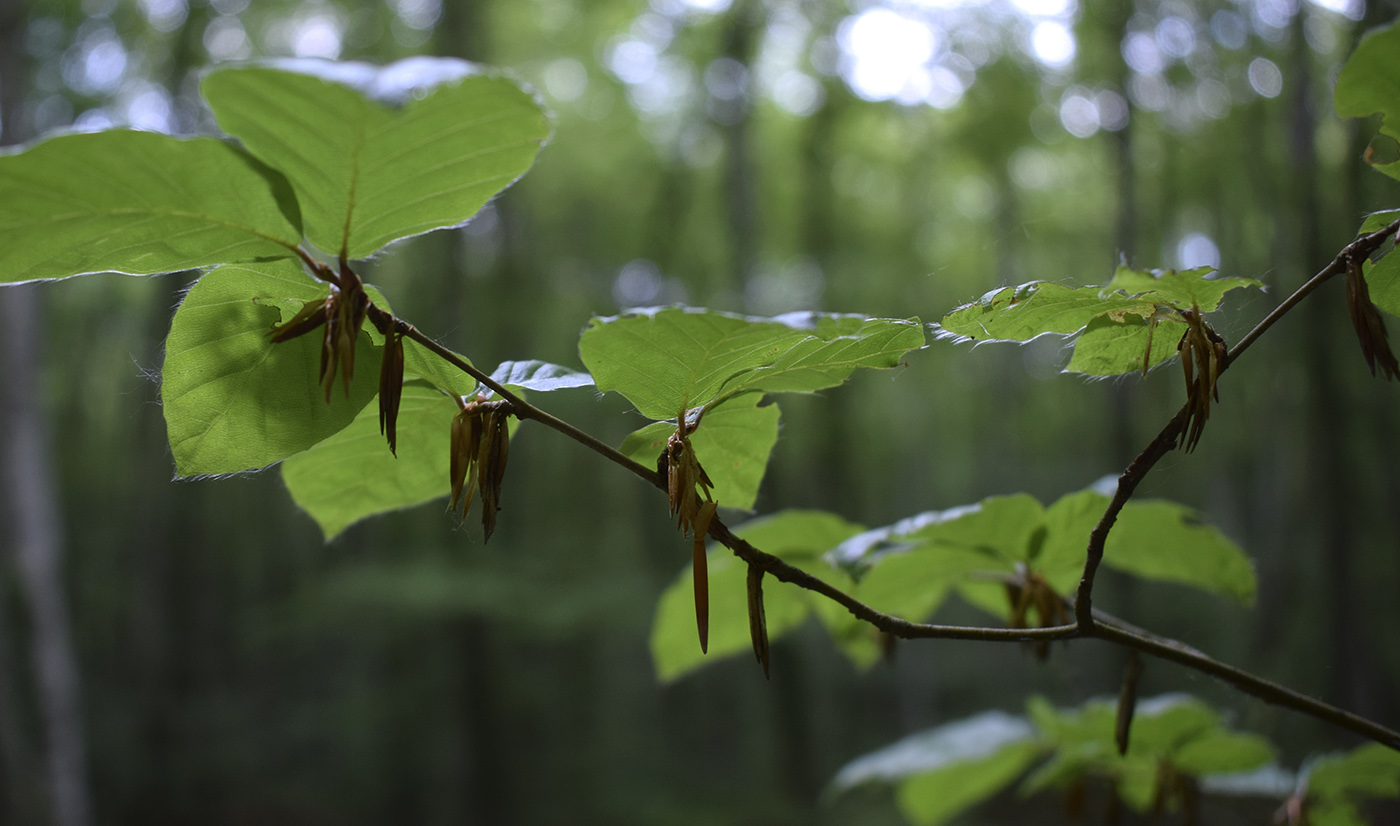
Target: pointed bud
391,388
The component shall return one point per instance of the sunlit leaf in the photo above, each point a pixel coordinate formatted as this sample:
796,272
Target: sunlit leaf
352,474
1114,324
1368,84
1021,313
381,153
666,360
1183,289
1109,347
233,400
138,203
732,443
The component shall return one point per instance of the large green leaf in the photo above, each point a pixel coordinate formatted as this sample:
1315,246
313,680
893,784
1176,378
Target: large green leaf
1157,539
678,358
1369,83
732,443
233,400
1113,324
377,154
138,203
352,474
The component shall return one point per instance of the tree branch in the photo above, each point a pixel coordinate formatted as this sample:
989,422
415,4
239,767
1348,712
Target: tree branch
1356,251
1088,622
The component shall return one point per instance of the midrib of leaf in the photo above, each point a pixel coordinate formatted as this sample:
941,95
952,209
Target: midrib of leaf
358,147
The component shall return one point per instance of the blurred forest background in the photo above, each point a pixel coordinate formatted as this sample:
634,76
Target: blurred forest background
889,157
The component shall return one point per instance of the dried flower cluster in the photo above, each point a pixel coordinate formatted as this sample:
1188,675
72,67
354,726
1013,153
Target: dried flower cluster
480,445
688,488
1031,590
342,312
1370,327
1203,356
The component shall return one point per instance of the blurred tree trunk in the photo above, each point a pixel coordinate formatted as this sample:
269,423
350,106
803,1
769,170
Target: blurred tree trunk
1329,470
740,187
35,527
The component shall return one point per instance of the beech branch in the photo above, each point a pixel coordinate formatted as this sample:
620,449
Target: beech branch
1089,623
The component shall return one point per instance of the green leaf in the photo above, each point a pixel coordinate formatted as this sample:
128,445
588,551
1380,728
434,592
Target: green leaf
1223,752
138,203
668,360
1183,289
1152,539
732,443
969,739
233,400
1369,83
999,528
1383,274
539,376
797,536
1113,322
1109,347
352,474
797,533
1156,539
1036,308
947,770
381,153
1164,723
1335,814
674,649
1371,770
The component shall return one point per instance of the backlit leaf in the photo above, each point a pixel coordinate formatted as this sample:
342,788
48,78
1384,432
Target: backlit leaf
233,400
138,203
352,474
1369,83
666,360
732,443
381,153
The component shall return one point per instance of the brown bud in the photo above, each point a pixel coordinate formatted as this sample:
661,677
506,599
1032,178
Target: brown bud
1369,325
391,388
